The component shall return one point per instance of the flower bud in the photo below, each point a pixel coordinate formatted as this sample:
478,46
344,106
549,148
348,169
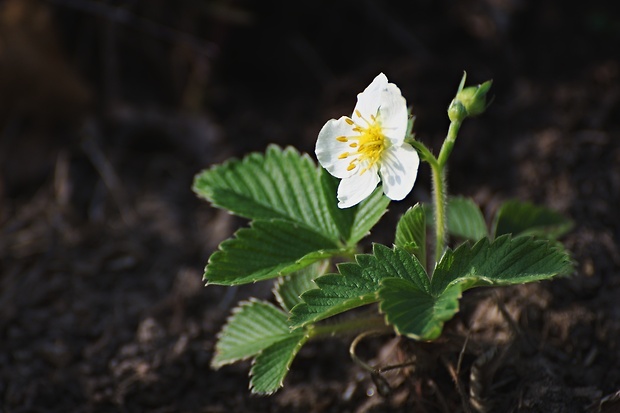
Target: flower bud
456,111
470,101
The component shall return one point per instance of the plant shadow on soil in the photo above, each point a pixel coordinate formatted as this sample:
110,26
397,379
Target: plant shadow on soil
109,110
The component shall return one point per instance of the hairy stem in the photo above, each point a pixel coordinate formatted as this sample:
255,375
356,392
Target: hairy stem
448,143
439,209
440,189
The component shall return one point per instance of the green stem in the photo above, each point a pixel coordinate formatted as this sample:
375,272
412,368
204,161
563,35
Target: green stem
349,326
439,207
448,144
440,190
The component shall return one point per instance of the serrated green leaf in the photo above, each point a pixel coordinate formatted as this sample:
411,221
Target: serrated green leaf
411,233
252,327
420,312
504,261
406,298
272,364
524,218
398,263
280,184
357,284
336,293
268,249
288,290
416,313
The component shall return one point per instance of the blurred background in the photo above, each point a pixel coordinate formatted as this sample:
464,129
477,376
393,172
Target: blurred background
109,108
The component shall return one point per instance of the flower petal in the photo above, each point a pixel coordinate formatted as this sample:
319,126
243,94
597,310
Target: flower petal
356,188
393,114
384,100
329,149
369,101
399,170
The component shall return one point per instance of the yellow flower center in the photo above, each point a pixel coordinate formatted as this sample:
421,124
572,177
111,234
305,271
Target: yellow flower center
368,145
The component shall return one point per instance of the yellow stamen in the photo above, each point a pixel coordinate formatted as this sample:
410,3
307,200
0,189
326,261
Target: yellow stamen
370,143
342,139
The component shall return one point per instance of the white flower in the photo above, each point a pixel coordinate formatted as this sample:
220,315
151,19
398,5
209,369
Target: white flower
369,146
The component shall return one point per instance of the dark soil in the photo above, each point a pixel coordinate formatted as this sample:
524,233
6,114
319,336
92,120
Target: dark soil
108,109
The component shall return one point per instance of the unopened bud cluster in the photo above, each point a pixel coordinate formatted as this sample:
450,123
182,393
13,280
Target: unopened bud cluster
468,102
